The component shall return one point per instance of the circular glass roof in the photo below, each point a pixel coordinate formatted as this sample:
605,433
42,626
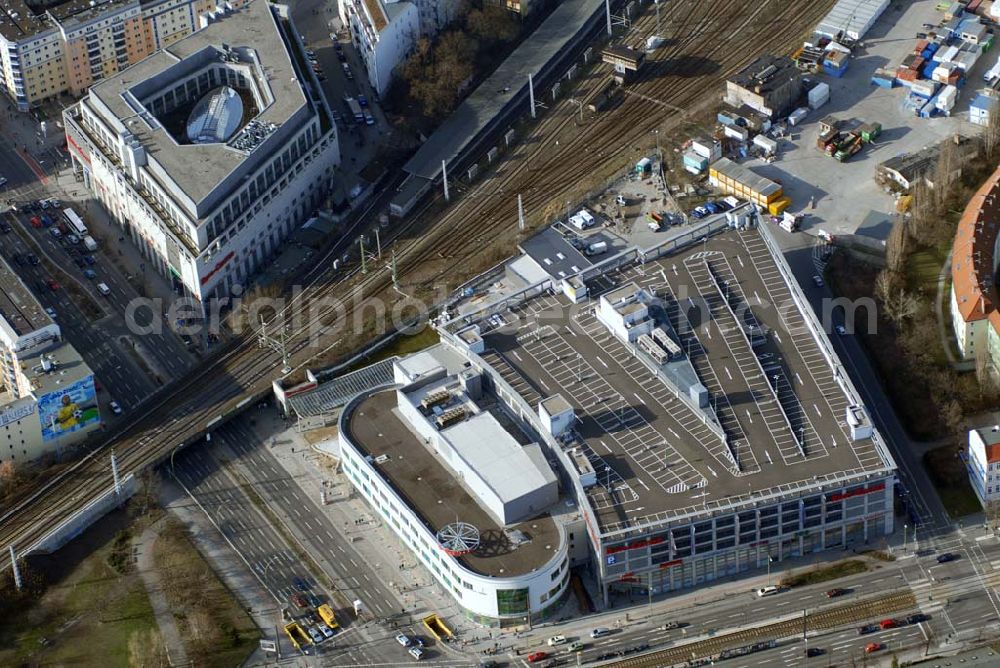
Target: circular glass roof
216,117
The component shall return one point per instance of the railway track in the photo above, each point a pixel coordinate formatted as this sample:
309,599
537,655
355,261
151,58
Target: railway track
828,618
544,169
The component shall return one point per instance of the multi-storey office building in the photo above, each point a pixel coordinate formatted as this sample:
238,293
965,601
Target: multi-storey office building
211,151
384,33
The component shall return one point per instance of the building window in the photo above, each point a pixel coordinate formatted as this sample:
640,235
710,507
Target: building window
512,601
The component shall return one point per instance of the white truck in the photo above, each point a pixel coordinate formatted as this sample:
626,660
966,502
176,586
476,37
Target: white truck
597,248
89,243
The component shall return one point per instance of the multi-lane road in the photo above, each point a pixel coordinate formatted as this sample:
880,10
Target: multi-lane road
225,476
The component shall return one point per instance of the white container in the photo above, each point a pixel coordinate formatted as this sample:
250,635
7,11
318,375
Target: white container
710,148
819,92
819,102
736,132
942,72
946,99
796,116
654,42
948,56
769,145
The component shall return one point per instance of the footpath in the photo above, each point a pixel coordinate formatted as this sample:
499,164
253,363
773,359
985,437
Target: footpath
154,589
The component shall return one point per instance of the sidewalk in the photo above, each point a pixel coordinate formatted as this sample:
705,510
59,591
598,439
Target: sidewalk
161,608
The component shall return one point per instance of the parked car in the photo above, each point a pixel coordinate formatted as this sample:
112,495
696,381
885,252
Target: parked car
89,259
362,100
325,630
300,584
341,57
90,273
78,261
35,221
4,226
316,636
404,640
298,600
841,330
53,285
33,260
115,407
54,231
73,239
51,312
416,653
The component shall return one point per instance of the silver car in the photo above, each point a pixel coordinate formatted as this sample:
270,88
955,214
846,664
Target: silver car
316,636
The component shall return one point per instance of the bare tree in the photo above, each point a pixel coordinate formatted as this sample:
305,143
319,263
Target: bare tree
886,283
7,472
984,370
953,415
901,306
896,248
991,135
946,172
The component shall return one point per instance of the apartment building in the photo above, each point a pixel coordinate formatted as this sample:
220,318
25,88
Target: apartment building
48,399
385,32
65,47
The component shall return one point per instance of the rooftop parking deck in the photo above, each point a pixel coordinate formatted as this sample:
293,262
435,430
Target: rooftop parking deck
656,454
436,496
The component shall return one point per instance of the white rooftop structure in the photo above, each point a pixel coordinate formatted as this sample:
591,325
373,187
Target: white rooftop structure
852,18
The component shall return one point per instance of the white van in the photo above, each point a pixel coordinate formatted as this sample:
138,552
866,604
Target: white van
769,590
556,640
103,288
600,631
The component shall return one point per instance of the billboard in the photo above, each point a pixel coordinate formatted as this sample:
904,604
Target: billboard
68,409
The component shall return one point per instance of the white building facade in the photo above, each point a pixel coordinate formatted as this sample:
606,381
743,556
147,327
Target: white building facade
384,33
983,463
208,215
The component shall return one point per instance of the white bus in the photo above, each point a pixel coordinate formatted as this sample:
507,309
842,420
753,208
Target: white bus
74,223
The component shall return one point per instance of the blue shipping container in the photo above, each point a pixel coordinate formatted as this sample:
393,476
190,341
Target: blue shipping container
882,82
928,71
926,54
835,71
933,47
725,119
929,109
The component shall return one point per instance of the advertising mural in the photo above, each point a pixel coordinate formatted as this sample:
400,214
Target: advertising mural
68,409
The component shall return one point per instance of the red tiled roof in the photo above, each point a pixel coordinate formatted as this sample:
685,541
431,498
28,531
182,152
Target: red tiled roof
972,263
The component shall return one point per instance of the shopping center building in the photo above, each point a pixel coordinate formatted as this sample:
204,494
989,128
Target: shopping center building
686,400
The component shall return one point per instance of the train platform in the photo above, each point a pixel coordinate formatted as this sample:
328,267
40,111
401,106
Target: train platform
506,88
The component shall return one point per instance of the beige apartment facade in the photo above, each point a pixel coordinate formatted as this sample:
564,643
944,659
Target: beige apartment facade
70,46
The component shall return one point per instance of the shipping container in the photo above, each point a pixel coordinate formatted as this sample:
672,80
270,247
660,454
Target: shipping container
870,131
973,6
692,159
818,95
725,119
924,89
927,71
769,145
930,109
796,116
920,46
948,55
826,138
905,75
736,132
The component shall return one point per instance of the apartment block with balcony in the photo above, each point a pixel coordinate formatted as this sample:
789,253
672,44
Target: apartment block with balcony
209,153
64,47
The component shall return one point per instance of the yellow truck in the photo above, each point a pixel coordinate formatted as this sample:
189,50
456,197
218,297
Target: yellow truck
297,635
326,614
437,627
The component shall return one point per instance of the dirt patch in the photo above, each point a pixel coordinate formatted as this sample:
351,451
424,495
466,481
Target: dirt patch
212,624
81,609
